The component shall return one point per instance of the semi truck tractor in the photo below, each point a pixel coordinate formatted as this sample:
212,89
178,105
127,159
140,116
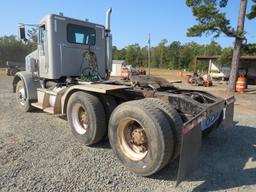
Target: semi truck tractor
148,121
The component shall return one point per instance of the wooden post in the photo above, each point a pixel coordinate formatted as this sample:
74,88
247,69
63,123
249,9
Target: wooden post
209,67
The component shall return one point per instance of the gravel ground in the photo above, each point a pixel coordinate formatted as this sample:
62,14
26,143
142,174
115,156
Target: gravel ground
38,153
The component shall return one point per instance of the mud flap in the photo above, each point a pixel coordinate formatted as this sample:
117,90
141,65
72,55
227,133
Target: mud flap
229,113
191,145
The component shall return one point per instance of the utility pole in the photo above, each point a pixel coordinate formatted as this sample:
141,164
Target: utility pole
237,48
149,55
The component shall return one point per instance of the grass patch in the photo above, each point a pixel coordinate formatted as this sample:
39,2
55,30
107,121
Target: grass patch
2,71
165,73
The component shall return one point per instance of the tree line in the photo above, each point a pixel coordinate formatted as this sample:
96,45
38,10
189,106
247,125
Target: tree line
172,55
11,49
175,55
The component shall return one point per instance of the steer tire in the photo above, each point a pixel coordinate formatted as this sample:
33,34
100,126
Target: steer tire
159,137
175,122
24,103
86,116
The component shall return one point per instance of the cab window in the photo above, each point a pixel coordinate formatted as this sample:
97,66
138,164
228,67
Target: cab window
42,34
78,34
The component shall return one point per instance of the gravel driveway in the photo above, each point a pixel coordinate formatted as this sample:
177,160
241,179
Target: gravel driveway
38,153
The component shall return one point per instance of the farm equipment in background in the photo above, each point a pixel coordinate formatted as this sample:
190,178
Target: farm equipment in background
149,122
128,71
142,71
200,80
125,73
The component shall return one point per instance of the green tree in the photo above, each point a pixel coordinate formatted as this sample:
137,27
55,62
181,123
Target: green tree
118,54
160,55
249,49
186,57
212,49
115,53
122,54
133,55
13,50
163,53
252,13
225,57
212,21
144,56
193,49
174,55
155,57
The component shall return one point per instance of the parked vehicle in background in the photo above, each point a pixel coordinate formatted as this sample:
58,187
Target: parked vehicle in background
226,73
200,80
217,71
14,67
128,71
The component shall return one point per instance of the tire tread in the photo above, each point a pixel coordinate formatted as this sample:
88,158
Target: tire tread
175,121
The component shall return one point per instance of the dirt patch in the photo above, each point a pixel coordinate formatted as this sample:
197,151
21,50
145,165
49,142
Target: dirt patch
3,74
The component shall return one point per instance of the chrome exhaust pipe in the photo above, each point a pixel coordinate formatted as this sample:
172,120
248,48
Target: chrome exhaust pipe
108,43
108,14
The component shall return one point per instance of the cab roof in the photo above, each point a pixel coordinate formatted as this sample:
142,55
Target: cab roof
53,16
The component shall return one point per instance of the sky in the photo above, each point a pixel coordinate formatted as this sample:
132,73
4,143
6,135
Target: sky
131,20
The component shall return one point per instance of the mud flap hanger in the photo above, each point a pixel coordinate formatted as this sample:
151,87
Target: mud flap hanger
192,137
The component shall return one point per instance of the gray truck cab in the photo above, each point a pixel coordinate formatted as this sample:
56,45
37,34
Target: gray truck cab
61,45
62,52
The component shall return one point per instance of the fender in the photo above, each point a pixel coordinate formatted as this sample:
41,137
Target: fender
30,84
94,88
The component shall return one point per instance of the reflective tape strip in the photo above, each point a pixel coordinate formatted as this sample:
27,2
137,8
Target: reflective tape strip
240,86
190,126
241,82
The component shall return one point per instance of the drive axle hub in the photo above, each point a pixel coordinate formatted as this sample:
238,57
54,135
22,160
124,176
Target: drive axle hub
133,139
83,117
139,137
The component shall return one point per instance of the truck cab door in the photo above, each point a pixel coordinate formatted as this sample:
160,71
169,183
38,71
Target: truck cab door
43,51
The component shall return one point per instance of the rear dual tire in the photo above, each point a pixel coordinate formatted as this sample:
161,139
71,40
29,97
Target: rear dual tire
86,117
174,120
144,134
155,124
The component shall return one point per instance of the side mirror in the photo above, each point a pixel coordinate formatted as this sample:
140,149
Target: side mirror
22,32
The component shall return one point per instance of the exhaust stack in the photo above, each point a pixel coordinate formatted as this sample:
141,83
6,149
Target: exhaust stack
108,43
108,14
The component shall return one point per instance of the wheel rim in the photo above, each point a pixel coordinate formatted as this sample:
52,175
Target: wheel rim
80,119
21,96
132,139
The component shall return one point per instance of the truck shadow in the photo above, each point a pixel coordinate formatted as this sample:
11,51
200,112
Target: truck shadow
227,160
104,144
